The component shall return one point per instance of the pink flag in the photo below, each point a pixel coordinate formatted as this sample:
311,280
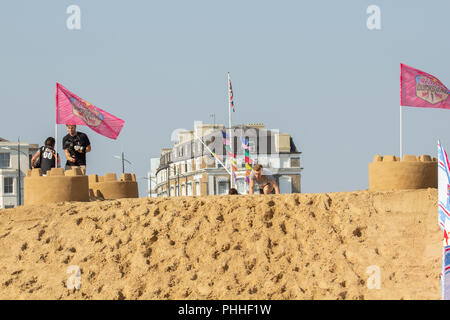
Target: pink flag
420,89
71,109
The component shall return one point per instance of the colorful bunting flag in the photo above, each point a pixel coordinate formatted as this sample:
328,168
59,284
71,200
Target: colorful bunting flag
248,160
230,154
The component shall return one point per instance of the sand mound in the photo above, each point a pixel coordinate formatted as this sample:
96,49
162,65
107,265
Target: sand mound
304,246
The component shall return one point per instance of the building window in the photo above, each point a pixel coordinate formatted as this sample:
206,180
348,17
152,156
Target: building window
183,189
241,186
197,188
285,184
252,146
189,189
222,187
8,185
295,162
4,160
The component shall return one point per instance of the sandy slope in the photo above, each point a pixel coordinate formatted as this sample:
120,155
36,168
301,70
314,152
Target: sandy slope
304,246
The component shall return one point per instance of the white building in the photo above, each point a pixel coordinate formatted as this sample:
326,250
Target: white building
189,169
9,173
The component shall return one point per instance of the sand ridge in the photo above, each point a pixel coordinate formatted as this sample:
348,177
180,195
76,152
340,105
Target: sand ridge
296,246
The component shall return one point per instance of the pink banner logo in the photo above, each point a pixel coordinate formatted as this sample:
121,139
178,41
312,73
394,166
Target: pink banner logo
71,109
430,89
83,110
421,89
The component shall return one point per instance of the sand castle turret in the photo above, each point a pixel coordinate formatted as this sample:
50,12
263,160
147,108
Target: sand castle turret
108,187
56,186
413,172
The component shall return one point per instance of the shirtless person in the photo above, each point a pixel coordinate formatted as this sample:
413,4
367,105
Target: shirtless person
266,182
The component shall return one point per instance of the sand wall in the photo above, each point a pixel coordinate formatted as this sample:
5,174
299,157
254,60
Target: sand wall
413,172
108,187
298,246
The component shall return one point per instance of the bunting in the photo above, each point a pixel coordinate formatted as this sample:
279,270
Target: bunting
230,154
248,160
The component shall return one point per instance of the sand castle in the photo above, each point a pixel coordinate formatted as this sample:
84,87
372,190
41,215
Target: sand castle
73,185
413,172
57,186
108,187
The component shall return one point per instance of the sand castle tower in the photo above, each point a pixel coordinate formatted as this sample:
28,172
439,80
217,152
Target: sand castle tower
108,187
413,172
57,186
73,185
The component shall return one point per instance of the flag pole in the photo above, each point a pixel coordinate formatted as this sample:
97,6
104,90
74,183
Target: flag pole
229,125
401,149
212,153
56,126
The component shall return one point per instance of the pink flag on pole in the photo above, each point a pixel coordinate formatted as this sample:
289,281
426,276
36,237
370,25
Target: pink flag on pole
71,109
420,89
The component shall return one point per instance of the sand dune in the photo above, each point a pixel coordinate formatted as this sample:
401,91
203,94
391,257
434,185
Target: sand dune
299,246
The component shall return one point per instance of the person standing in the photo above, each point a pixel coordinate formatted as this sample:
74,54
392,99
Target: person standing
75,145
46,155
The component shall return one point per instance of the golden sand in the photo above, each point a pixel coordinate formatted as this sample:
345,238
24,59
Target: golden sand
298,246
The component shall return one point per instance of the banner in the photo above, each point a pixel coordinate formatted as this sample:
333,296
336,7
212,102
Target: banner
71,109
443,189
445,280
420,89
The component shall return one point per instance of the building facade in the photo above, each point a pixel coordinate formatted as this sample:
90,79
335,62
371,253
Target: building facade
189,169
9,170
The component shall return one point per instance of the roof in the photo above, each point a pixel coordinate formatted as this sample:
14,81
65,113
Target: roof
3,140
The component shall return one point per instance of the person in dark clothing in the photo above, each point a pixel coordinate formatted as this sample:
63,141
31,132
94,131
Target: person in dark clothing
44,158
75,145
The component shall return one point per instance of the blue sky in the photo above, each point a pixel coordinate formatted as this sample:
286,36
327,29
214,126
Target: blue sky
311,69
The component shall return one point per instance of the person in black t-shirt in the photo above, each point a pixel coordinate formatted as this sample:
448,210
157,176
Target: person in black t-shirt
46,156
75,145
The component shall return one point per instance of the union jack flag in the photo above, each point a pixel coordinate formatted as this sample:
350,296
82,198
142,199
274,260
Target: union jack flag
230,93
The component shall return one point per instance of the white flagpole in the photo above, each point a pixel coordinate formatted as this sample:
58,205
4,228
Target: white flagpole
401,149
56,127
229,125
223,165
56,145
